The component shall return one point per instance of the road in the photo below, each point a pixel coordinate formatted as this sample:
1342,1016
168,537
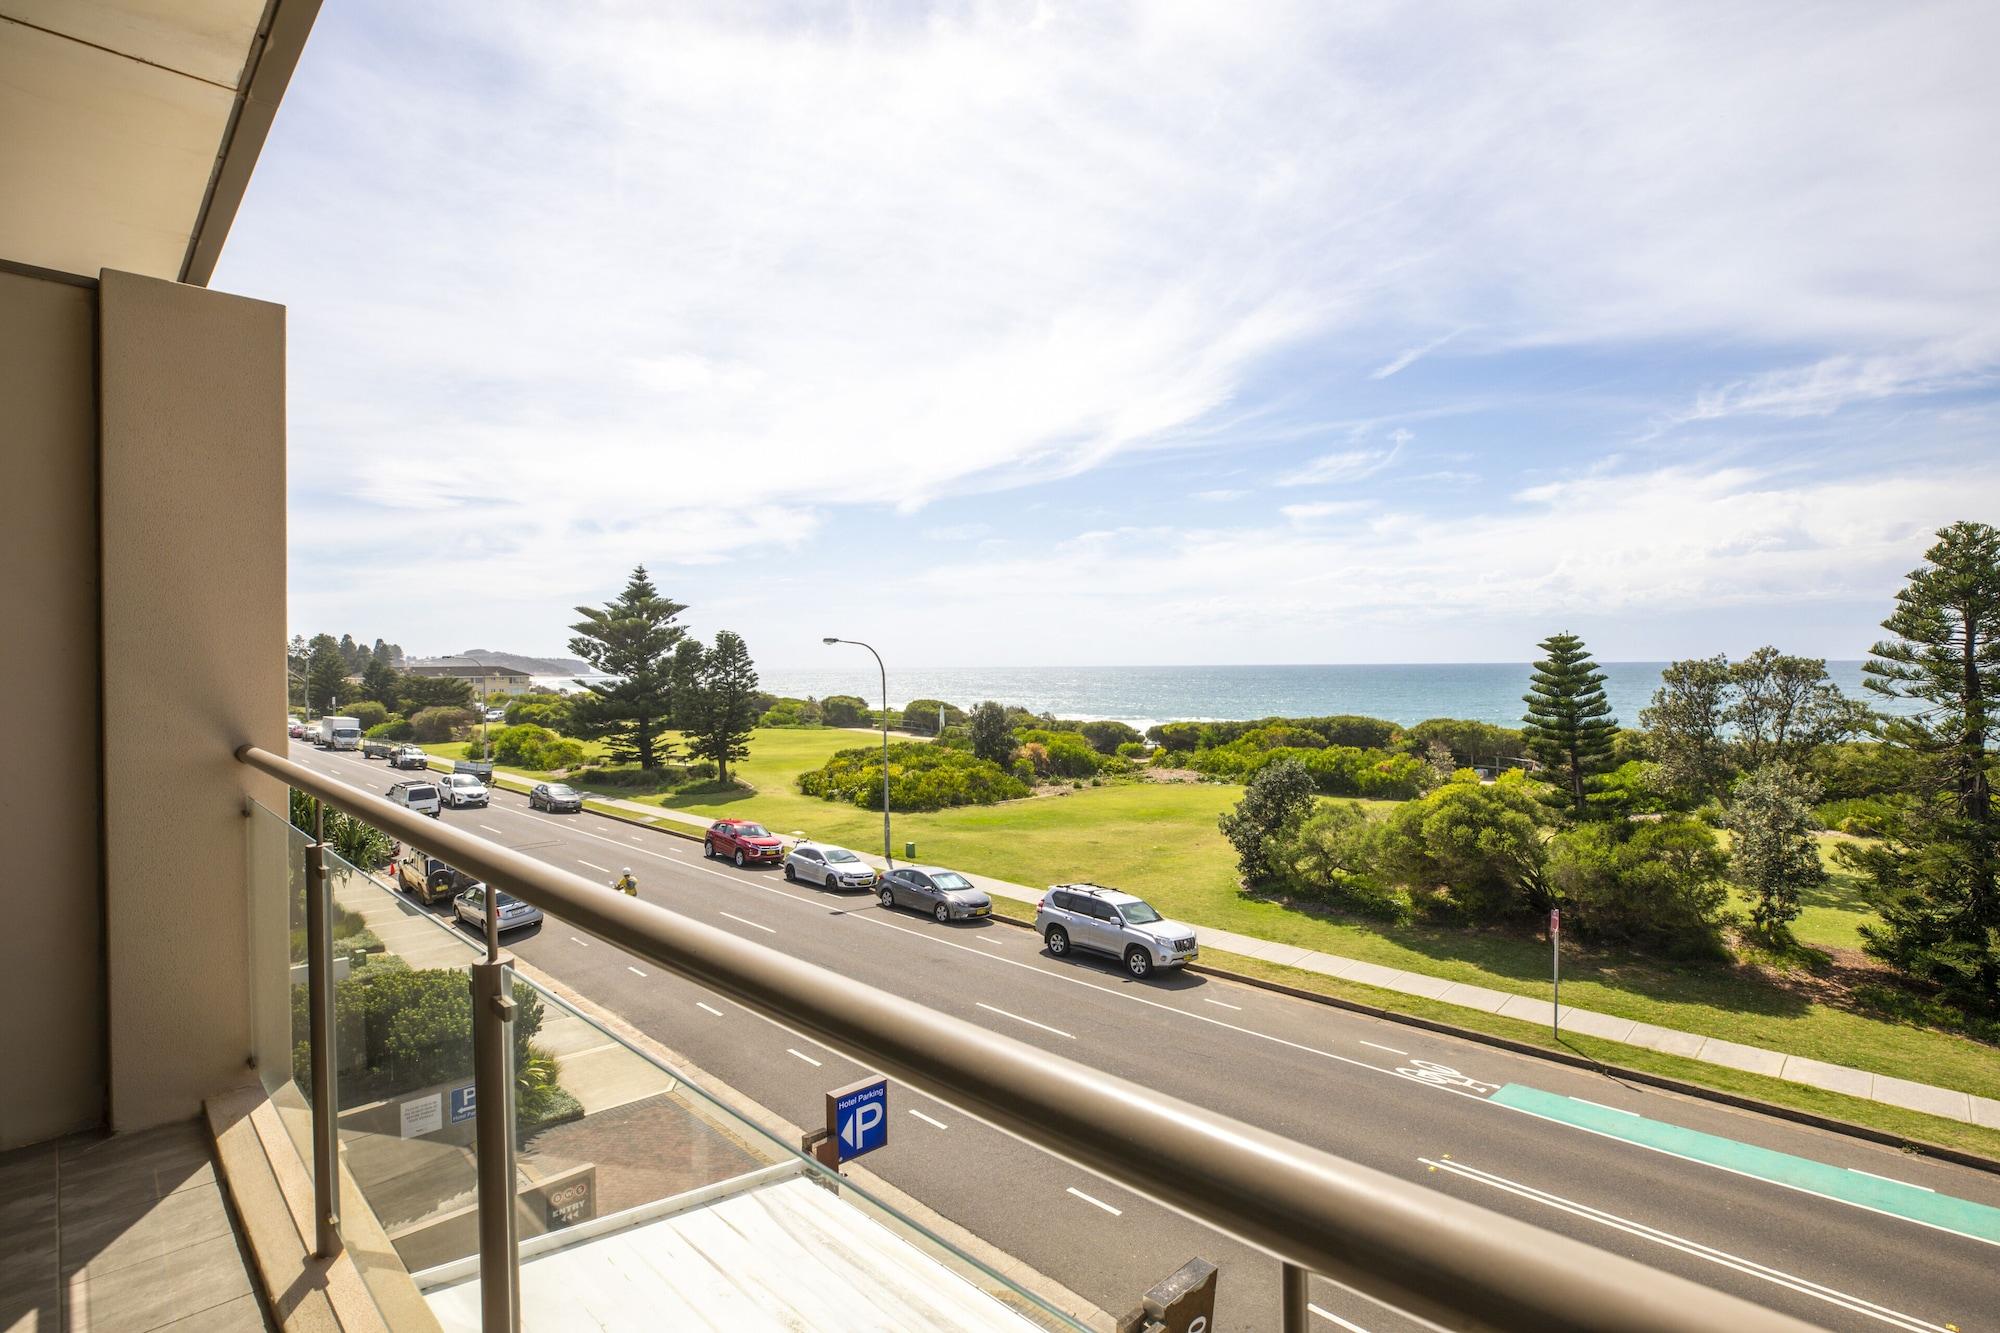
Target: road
1833,1230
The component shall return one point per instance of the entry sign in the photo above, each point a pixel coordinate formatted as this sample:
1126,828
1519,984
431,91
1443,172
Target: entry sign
464,1104
857,1117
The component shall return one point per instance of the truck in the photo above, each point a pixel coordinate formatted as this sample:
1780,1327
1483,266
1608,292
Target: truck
337,733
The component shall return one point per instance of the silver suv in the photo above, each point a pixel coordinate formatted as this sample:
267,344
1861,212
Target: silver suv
1090,916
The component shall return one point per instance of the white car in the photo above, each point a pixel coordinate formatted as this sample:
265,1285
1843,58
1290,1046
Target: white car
834,867
464,789
420,797
470,907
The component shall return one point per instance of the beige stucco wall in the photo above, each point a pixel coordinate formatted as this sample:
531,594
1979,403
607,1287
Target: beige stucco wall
51,935
191,411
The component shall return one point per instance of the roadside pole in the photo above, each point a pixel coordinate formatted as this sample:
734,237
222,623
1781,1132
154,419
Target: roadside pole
1556,971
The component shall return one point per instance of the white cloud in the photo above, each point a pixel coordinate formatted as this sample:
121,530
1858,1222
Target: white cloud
1348,464
1319,509
1828,385
1221,496
1409,356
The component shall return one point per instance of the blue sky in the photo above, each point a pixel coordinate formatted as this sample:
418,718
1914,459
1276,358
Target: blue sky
1041,333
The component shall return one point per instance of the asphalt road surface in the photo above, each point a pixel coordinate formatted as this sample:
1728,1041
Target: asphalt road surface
1829,1229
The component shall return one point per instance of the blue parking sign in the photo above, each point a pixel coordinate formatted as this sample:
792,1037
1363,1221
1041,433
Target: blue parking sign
858,1117
464,1103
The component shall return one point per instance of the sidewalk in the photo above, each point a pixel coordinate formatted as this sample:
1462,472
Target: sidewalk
1912,1096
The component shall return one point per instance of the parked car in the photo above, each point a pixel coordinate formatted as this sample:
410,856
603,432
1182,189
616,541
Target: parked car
834,867
409,756
496,715
377,748
743,842
1107,921
422,797
945,894
462,789
428,877
554,796
471,908
295,729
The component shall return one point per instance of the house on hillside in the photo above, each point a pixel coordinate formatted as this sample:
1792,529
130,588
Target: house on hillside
484,677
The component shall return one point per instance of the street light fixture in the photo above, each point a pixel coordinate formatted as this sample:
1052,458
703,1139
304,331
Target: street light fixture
830,640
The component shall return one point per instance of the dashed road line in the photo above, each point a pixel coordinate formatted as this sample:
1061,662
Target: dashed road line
1380,1047
602,870
1221,1004
490,829
754,925
1018,1019
803,1056
1333,1318
927,1120
578,939
1115,1212
711,1008
633,970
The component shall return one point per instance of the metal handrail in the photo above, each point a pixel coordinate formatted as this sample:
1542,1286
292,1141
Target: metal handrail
1411,1247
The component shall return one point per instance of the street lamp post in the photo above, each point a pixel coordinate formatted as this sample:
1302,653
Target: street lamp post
887,855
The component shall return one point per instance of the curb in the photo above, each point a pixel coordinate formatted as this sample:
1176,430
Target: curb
1741,1102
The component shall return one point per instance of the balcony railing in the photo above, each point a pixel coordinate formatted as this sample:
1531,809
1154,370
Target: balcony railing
1414,1249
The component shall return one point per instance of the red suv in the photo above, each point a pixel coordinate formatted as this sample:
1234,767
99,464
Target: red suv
743,842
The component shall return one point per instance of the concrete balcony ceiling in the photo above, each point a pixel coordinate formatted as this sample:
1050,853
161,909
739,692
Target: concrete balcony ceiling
129,128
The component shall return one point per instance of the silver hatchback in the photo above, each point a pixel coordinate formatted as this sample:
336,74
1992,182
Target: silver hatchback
944,894
1107,921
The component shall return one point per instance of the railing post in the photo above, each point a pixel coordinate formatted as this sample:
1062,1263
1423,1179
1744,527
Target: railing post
493,1103
319,1013
1292,1300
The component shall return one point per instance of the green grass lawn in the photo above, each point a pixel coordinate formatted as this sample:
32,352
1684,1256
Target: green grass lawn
1161,840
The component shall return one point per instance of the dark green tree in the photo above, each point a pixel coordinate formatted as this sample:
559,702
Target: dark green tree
379,682
326,673
846,710
1933,875
723,708
415,693
1687,722
631,639
1783,709
992,735
1569,724
1772,854
1261,827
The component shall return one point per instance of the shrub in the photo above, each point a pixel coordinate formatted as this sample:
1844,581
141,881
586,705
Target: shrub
921,716
791,713
1634,788
1280,736
1654,883
437,724
921,777
626,775
1179,736
1476,850
1862,816
1131,750
844,710
556,712
562,753
992,735
1059,754
1108,737
701,770
1772,854
368,713
395,729
522,745
405,1030
1333,857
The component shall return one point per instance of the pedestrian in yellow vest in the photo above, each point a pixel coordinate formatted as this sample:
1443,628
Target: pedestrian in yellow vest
625,884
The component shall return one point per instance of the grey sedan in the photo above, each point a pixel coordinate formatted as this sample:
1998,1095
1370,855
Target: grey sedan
944,894
554,796
471,909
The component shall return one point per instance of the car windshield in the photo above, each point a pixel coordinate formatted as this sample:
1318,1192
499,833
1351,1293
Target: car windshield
561,791
841,854
752,831
1138,914
507,900
946,879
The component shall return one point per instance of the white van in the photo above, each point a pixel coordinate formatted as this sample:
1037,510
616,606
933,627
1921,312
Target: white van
421,797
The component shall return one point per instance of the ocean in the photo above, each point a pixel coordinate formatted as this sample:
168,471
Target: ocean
1143,695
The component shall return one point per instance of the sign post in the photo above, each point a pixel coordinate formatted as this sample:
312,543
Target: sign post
1556,971
857,1118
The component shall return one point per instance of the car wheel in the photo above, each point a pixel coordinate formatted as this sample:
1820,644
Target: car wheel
1058,941
739,858
791,875
708,850
942,913
885,897
1138,962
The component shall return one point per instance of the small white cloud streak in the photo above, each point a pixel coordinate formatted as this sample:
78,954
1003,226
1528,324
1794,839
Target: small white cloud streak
1409,356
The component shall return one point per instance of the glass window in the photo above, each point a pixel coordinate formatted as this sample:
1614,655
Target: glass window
751,831
808,854
946,879
840,856
1139,914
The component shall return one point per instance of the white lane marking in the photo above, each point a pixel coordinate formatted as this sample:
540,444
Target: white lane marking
1722,1258
1029,1021
711,1008
602,870
803,1056
1380,1047
1115,1212
580,940
1331,1317
1891,1179
927,1120
1619,1109
633,970
1219,1004
754,925
490,829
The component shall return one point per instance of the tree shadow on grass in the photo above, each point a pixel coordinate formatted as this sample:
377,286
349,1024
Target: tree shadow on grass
1520,952
1840,893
